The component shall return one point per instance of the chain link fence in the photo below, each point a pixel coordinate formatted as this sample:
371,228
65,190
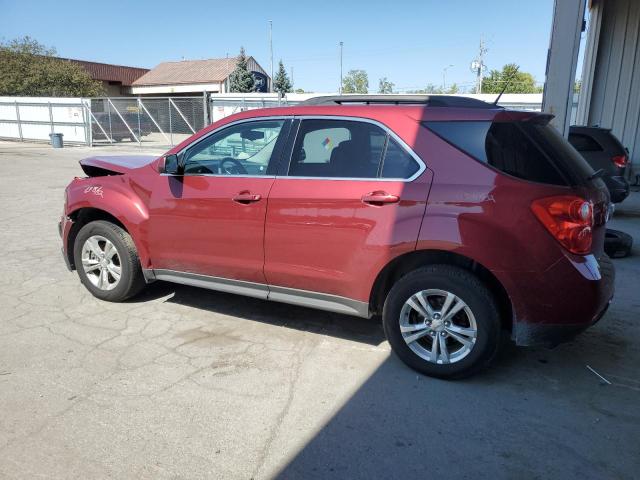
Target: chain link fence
155,122
224,105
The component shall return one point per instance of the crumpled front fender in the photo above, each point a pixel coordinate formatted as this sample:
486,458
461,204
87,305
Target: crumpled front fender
116,196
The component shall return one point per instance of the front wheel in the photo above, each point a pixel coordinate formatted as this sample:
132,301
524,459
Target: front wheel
107,261
442,321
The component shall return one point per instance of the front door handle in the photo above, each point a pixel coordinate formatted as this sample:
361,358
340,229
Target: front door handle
246,197
380,198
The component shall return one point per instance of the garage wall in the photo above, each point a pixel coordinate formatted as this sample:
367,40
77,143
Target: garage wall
611,76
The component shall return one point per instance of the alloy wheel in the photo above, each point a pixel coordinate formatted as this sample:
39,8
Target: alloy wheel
101,262
438,326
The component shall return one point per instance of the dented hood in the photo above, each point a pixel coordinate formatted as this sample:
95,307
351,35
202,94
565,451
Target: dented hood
115,164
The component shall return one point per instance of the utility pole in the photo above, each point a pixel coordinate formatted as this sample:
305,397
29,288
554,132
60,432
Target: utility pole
444,77
340,89
478,66
271,51
292,76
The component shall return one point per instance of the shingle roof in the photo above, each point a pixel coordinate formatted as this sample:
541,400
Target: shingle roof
110,73
189,71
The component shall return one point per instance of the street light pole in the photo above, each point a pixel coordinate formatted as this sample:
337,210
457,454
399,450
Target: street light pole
271,50
340,89
444,77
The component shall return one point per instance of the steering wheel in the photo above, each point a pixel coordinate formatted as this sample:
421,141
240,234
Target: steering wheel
231,166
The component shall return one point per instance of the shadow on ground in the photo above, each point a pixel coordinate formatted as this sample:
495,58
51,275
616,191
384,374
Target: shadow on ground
534,414
367,331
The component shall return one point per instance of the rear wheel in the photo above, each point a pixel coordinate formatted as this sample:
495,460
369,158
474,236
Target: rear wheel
107,261
442,321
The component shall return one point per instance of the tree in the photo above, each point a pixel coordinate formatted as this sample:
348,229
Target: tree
356,81
431,89
241,80
31,69
519,82
281,82
300,90
385,86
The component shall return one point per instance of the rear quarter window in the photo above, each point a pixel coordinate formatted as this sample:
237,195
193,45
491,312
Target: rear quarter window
506,146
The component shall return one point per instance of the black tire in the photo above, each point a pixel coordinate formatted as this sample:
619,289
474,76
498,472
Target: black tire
617,244
131,279
467,287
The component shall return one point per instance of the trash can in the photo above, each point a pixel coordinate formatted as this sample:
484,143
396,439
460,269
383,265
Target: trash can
56,140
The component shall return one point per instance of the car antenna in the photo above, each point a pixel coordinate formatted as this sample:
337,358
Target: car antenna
506,84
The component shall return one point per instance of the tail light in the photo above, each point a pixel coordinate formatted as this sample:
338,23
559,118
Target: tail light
569,219
619,161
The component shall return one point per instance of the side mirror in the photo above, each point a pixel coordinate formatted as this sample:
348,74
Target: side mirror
170,165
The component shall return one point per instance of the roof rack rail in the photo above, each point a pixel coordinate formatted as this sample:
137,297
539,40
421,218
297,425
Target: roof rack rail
427,100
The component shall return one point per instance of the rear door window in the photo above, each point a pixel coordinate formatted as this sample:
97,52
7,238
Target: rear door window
336,148
348,149
398,163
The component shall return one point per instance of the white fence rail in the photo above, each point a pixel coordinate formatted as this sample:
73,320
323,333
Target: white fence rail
34,118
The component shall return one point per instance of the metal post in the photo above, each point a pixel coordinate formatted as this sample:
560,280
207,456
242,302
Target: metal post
271,53
205,110
444,77
340,89
18,121
139,131
87,129
562,59
170,123
51,117
109,115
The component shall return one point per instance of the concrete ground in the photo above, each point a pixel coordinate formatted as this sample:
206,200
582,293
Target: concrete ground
186,383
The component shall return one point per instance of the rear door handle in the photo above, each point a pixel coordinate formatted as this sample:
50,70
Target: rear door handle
380,198
246,197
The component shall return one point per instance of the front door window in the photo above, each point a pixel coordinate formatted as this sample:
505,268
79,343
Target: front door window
242,149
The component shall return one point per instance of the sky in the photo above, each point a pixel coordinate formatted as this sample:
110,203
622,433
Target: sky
409,42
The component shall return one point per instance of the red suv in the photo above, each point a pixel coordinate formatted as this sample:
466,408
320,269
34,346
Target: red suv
453,219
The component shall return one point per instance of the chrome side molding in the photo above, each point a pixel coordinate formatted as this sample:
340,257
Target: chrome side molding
293,296
249,289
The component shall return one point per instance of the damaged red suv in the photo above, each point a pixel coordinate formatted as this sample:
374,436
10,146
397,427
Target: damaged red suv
453,219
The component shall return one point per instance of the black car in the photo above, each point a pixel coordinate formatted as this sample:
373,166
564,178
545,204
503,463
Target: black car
603,151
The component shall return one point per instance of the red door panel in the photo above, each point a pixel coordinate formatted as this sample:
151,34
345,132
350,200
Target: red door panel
209,225
322,235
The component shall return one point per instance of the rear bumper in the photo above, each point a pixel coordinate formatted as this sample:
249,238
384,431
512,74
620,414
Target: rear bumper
534,334
553,307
